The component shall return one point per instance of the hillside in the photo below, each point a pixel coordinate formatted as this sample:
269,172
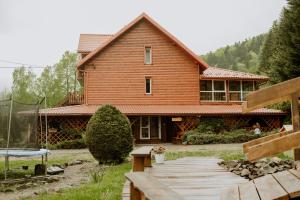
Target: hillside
242,56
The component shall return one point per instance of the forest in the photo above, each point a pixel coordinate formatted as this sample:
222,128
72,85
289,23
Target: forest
241,56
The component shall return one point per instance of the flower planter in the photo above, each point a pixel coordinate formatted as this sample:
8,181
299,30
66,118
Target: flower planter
159,158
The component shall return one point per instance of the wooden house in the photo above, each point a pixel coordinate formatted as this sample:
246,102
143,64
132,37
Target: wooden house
161,85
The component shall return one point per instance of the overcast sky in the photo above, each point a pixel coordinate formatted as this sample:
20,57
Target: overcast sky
39,31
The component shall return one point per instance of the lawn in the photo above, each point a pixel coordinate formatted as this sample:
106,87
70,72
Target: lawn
109,186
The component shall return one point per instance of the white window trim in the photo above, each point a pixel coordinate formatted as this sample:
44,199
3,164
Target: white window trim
141,127
213,91
240,91
145,59
149,128
150,85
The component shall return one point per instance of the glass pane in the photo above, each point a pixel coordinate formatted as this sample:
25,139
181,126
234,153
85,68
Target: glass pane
234,85
247,86
145,132
148,85
219,85
219,96
205,85
234,96
206,96
145,121
148,55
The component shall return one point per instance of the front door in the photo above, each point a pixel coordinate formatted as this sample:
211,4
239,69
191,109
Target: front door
150,127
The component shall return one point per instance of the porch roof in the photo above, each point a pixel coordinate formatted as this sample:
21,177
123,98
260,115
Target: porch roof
171,110
221,73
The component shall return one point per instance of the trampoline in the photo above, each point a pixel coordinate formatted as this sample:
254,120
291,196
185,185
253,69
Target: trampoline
23,153
20,125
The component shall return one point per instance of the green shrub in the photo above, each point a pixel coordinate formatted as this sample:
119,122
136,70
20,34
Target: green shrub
71,144
73,133
211,125
109,136
235,136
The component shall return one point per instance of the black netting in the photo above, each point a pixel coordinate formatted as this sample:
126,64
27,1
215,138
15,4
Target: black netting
23,125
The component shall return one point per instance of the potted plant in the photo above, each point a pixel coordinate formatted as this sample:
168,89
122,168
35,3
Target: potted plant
159,154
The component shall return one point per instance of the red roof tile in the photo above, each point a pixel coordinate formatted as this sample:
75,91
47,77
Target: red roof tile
160,110
220,73
89,42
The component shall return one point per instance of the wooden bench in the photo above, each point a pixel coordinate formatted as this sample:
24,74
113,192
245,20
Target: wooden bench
141,158
282,185
145,187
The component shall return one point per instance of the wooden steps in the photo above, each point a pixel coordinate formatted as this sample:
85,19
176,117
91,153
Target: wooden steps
194,178
282,185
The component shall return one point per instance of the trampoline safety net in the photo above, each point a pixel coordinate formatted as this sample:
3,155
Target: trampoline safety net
23,126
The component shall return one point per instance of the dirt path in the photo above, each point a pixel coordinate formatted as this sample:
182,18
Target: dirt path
72,177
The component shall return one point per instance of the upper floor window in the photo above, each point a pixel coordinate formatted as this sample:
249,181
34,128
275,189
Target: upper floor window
212,90
238,90
148,55
148,86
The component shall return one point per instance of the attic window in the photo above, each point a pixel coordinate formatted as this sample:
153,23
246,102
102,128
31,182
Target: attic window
148,55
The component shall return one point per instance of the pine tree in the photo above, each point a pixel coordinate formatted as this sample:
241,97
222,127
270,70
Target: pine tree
281,51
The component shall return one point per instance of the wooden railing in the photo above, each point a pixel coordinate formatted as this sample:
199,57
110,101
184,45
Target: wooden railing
270,145
143,186
75,98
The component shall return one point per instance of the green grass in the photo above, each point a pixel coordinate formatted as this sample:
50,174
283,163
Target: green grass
225,155
110,188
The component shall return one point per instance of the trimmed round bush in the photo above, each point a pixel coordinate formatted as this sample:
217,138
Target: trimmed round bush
109,136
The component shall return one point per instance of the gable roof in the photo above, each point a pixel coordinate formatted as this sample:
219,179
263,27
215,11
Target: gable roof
126,28
221,73
89,42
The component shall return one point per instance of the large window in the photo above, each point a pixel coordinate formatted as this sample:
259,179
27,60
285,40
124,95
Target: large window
238,90
212,90
148,55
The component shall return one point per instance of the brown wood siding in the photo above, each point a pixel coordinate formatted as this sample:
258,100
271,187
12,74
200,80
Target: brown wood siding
117,74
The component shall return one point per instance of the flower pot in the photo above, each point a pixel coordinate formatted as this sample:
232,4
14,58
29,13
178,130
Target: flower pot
159,158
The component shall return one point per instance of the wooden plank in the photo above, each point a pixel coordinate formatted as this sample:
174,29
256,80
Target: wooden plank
274,94
142,151
268,188
295,173
151,187
274,146
295,120
289,182
251,143
231,193
248,191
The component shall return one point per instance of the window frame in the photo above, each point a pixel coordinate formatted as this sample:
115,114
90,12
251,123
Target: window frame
148,77
145,127
241,91
145,55
213,91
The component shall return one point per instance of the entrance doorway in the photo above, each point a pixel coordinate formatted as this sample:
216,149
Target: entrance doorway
150,127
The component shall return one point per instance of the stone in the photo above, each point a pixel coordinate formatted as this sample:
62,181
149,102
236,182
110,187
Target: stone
245,172
276,160
54,170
